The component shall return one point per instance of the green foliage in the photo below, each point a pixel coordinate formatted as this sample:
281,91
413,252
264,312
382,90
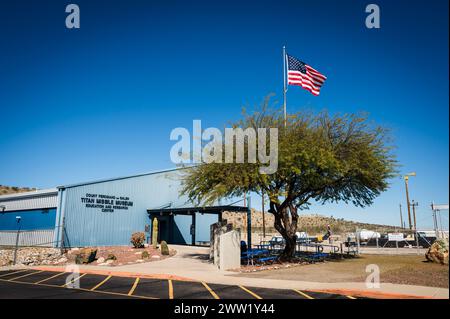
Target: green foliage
145,254
321,157
155,233
138,239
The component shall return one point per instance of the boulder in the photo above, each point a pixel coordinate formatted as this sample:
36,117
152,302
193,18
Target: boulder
101,260
86,256
438,252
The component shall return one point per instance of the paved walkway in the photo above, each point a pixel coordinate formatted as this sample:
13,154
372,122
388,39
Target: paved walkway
192,263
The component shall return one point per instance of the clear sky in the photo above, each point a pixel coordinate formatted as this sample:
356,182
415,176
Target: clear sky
101,101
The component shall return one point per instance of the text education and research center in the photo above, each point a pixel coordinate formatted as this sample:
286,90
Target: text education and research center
106,213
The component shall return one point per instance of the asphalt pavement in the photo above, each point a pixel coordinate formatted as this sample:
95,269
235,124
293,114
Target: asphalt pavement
37,284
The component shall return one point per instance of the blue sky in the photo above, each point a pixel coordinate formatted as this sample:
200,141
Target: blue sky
100,101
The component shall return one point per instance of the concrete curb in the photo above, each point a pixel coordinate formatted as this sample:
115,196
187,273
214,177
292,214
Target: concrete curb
372,294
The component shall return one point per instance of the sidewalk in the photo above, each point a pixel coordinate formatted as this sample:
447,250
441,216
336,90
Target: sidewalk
192,263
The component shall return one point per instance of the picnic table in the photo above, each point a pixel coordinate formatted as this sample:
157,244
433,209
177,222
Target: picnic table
259,255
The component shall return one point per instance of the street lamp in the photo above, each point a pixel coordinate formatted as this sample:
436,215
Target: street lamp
406,178
18,218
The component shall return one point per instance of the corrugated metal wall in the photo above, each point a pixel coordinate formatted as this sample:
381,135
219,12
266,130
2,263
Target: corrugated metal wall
27,202
202,226
87,226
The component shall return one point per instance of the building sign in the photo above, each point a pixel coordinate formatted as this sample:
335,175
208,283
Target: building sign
106,203
396,237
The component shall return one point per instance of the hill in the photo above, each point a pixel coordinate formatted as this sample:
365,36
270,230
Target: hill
312,224
14,189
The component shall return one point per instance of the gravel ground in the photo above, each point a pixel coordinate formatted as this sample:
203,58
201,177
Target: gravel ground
411,270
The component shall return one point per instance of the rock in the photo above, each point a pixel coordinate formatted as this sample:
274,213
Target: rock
138,253
111,257
109,261
140,261
86,256
100,260
438,252
156,257
164,248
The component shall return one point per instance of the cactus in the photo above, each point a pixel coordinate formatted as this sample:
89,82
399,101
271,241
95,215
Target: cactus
164,248
155,233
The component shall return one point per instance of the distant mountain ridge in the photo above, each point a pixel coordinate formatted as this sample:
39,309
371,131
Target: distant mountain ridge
312,223
4,190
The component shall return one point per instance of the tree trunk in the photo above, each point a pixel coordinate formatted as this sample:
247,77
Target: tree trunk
286,224
289,249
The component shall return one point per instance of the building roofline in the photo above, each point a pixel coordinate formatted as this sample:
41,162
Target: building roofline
203,209
40,192
122,177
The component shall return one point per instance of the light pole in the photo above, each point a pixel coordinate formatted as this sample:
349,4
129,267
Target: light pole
18,218
406,178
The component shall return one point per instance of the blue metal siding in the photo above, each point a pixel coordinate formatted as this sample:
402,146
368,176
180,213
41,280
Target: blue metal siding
202,226
30,219
182,229
93,227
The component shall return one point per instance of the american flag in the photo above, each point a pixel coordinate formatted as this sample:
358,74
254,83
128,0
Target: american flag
300,73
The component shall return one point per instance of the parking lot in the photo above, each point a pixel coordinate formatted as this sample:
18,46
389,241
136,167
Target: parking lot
46,284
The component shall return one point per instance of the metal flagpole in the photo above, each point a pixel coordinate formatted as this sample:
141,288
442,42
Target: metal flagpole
284,83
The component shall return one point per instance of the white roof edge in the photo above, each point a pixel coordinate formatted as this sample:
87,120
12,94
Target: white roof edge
123,177
39,192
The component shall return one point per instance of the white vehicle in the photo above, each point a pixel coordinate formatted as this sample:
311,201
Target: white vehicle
366,235
302,235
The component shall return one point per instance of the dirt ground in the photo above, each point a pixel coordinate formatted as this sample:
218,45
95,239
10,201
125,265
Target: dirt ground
410,270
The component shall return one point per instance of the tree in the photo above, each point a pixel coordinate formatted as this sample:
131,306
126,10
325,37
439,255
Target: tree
321,158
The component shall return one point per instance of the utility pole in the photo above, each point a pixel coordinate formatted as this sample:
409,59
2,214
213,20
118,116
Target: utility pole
263,215
406,178
414,204
401,217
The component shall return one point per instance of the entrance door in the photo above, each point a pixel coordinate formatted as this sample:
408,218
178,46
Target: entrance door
163,230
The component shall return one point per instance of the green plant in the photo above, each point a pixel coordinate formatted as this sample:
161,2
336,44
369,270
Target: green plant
145,254
320,158
138,239
155,233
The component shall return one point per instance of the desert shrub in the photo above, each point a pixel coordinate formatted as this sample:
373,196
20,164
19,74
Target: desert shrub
138,239
145,254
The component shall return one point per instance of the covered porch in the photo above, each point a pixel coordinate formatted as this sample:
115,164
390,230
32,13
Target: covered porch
188,225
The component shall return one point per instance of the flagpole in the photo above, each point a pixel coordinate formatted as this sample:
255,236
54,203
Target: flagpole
284,83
